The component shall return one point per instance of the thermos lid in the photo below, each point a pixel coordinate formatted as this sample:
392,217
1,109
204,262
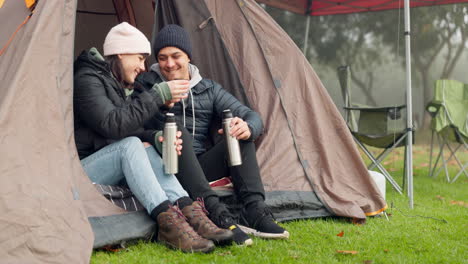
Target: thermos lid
227,114
170,118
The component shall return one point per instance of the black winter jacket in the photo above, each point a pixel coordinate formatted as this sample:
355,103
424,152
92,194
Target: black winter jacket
102,112
210,99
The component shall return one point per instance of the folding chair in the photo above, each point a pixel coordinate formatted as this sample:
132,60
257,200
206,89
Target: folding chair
380,127
449,112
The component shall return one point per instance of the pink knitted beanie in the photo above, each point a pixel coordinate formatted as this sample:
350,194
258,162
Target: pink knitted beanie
126,39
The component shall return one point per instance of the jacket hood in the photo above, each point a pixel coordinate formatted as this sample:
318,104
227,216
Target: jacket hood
91,58
195,76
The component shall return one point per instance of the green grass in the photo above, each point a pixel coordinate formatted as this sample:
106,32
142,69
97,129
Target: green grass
435,231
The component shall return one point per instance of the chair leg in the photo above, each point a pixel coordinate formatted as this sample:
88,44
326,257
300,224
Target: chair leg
459,163
439,141
460,172
442,144
452,154
447,176
456,158
384,153
380,167
430,155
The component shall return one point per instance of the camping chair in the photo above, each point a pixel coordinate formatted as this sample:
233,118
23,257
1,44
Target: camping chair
449,112
380,127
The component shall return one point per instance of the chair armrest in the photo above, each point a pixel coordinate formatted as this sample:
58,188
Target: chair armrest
433,108
374,109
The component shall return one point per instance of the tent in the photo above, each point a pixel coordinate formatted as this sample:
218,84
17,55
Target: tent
52,213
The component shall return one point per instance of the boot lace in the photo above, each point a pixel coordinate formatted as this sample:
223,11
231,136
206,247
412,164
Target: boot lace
180,221
201,201
262,213
203,214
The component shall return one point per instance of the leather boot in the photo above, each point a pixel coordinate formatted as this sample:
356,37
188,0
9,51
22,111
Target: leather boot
197,218
175,232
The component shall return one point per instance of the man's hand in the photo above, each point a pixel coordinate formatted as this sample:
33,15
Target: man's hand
179,90
178,142
239,129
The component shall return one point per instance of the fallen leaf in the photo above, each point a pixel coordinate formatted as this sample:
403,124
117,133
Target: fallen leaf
113,248
367,262
386,250
347,252
225,253
392,169
460,203
440,197
340,234
424,165
387,162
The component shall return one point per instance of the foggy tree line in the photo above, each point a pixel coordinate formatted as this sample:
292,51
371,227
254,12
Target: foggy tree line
366,41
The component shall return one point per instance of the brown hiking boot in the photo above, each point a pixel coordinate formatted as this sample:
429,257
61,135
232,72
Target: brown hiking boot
175,232
196,217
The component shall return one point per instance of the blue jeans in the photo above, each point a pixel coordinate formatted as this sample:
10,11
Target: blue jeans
127,161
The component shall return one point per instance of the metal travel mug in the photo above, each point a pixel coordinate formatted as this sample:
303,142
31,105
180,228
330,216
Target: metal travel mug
234,154
170,159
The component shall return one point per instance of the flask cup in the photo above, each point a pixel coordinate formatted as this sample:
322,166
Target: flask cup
234,154
170,159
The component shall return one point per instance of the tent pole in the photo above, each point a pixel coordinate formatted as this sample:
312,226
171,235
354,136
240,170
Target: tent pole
306,36
409,106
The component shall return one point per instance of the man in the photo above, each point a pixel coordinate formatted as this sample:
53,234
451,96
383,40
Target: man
197,165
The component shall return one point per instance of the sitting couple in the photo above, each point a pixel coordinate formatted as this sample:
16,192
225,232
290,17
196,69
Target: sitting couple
118,118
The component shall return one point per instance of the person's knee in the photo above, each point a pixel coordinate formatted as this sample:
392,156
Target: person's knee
131,140
132,143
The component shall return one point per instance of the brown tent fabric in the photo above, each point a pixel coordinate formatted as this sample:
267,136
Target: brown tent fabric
209,48
306,145
51,213
209,54
42,219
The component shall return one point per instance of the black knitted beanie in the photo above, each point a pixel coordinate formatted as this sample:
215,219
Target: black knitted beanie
173,36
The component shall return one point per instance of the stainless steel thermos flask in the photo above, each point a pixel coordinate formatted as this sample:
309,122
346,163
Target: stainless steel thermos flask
234,154
170,159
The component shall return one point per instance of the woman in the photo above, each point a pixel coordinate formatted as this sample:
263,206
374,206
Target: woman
114,147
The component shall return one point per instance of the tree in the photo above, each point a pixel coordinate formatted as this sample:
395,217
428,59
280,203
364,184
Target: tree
342,40
369,40
439,36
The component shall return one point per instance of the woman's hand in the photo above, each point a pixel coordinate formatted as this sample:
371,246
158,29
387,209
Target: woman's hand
178,142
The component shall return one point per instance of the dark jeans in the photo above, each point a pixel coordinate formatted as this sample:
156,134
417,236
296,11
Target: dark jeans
195,172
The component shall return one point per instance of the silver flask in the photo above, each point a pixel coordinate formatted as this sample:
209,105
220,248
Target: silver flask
234,154
170,158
